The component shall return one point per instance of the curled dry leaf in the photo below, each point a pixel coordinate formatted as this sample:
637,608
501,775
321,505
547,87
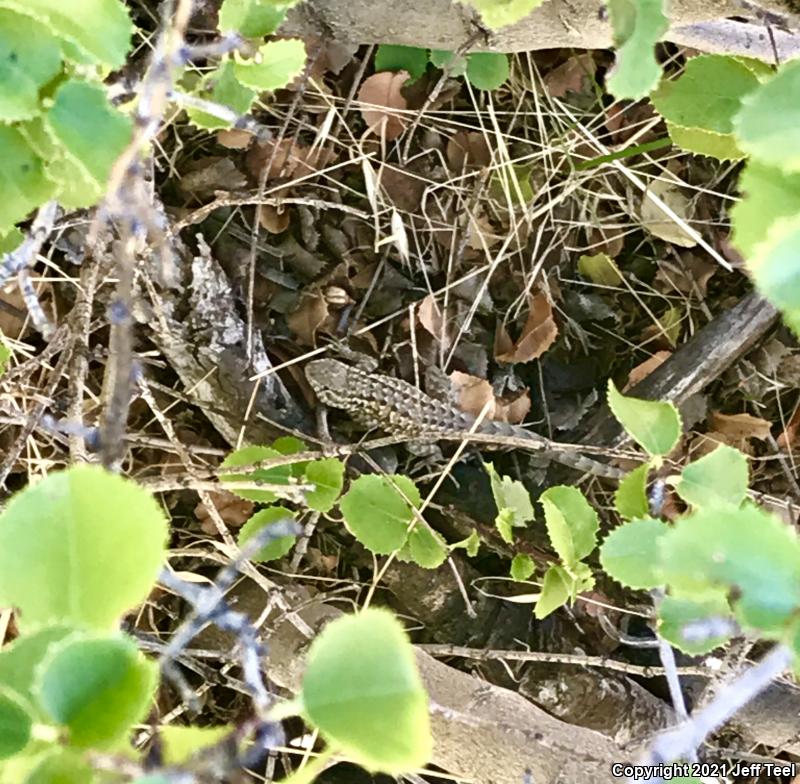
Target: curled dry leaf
514,411
644,369
468,149
404,191
234,138
310,315
383,103
286,158
740,427
657,222
431,318
538,334
473,394
787,438
234,511
274,219
572,76
212,174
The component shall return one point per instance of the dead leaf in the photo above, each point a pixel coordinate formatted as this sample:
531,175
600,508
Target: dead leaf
657,222
667,331
538,334
787,438
430,317
285,158
274,219
13,313
234,138
382,103
468,149
570,76
234,511
644,369
212,174
473,394
403,190
736,430
308,318
514,411
689,278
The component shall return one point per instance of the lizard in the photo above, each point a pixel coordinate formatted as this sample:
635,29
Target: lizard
400,408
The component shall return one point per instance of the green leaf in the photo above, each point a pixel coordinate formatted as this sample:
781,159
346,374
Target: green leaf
20,659
82,546
274,66
522,567
487,70
718,478
5,355
377,514
510,494
362,690
101,29
29,59
655,426
96,687
253,18
425,547
600,269
471,544
23,182
746,550
630,498
504,522
721,146
499,13
289,445
180,743
630,553
444,59
707,95
328,476
222,87
571,523
556,590
92,132
275,549
637,26
63,766
76,189
511,182
775,266
769,194
249,455
10,240
768,124
391,57
16,722
675,613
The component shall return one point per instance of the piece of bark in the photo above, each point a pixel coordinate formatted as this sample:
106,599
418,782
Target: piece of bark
440,24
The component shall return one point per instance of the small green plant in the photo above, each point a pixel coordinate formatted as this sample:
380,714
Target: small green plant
483,70
81,548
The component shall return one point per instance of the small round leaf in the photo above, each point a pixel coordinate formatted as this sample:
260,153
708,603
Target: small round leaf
630,553
275,549
362,690
655,426
15,724
715,479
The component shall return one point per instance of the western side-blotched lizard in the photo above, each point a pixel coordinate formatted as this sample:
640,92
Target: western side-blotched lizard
400,408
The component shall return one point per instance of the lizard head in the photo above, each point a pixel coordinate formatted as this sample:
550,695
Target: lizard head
327,376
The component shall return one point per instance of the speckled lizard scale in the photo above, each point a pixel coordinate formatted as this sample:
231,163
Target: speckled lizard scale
397,407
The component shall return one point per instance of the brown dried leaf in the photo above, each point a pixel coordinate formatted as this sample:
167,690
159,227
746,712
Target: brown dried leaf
404,191
644,369
290,159
234,138
431,318
308,318
538,333
382,103
274,219
570,76
787,438
470,149
234,511
473,394
13,313
514,411
212,174
737,430
657,222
